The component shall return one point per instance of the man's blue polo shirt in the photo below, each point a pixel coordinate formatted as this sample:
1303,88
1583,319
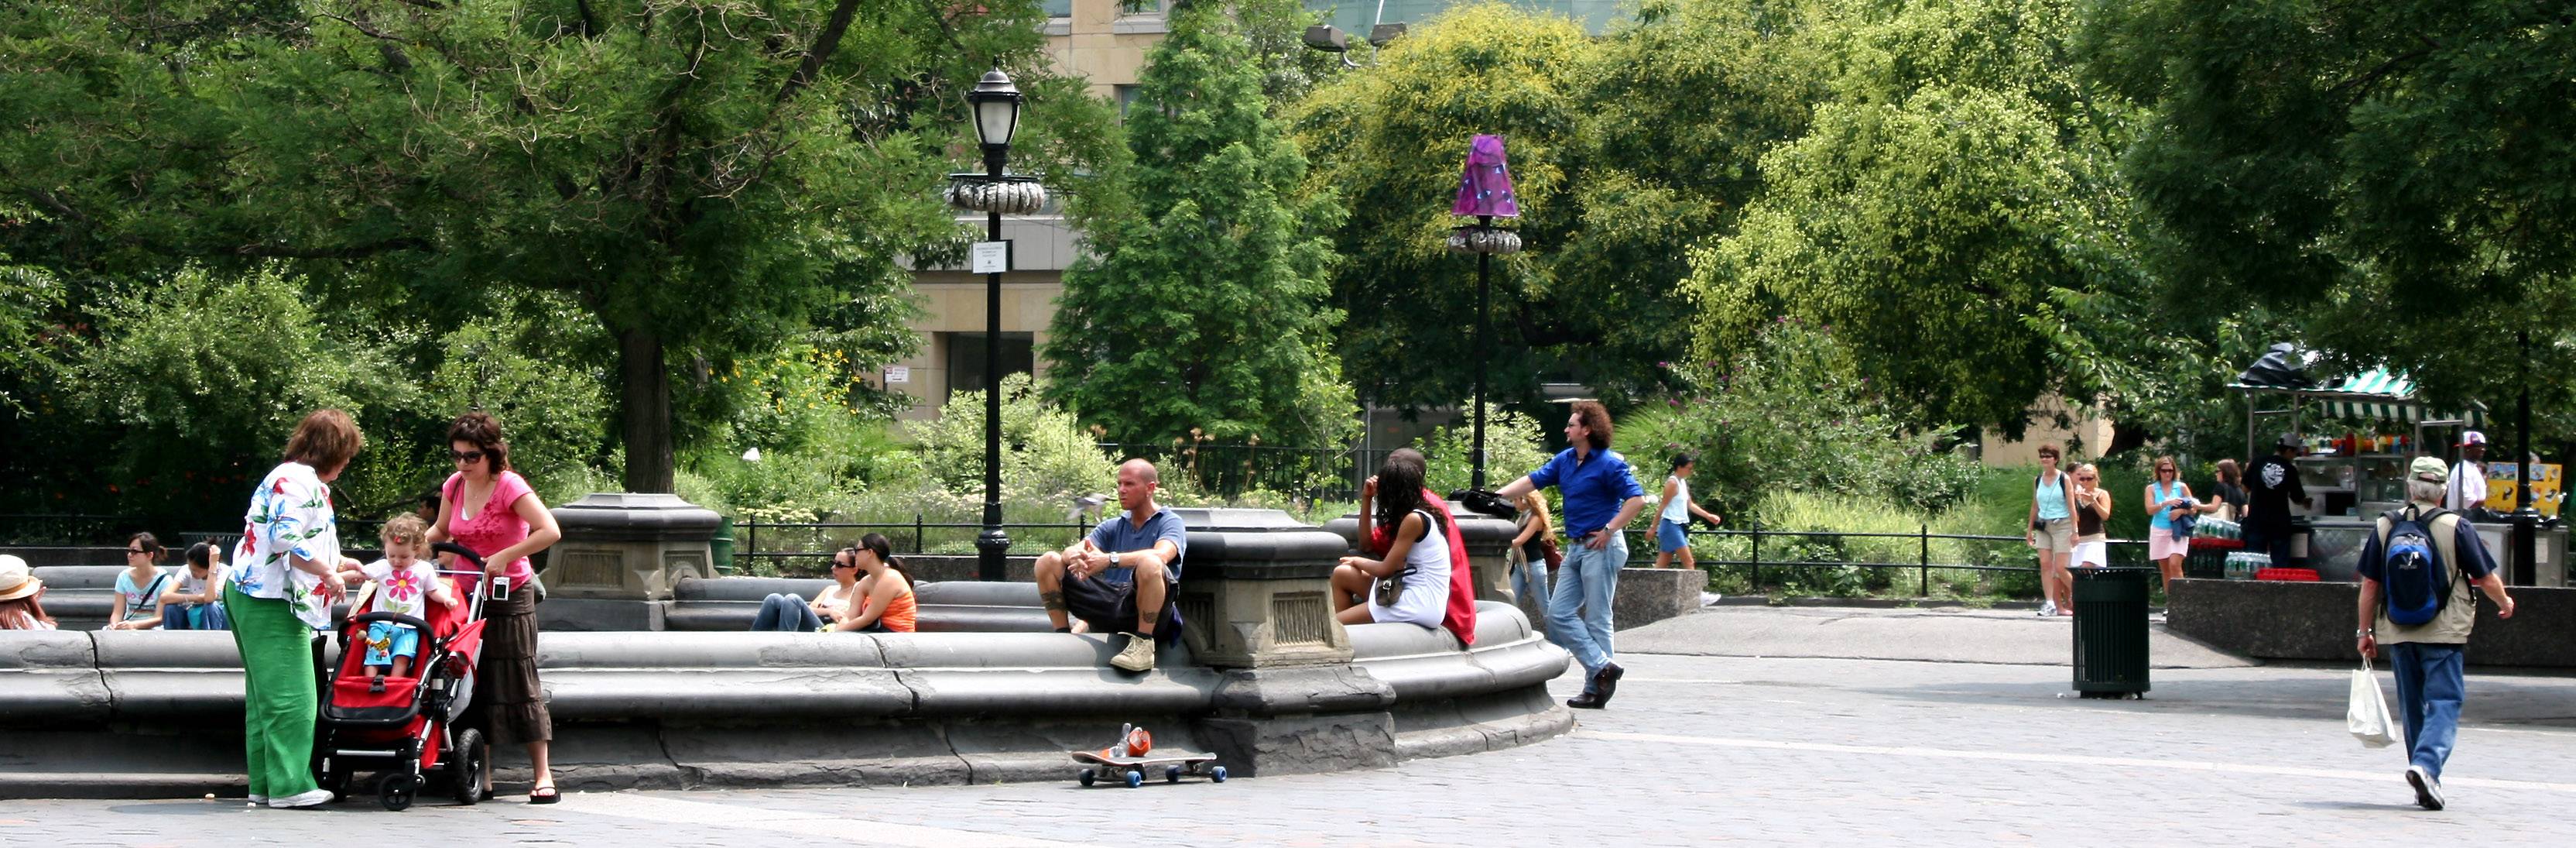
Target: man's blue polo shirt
1118,535
1593,488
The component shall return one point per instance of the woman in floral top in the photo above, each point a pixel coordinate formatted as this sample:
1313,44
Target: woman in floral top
279,590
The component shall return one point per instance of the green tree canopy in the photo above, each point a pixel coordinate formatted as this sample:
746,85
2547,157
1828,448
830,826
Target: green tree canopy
2400,176
1203,312
1392,138
701,176
1952,213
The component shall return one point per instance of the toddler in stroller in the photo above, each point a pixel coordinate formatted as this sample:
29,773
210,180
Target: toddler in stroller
404,584
398,719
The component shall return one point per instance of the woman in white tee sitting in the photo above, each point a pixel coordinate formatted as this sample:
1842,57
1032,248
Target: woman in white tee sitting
1411,584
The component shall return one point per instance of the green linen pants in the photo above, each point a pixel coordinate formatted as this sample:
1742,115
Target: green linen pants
279,701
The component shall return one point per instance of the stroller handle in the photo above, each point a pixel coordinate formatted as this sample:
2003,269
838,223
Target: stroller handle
459,550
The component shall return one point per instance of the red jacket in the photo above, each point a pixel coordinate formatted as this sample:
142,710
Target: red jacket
1461,618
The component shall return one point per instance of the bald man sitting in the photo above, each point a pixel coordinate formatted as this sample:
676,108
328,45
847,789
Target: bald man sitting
1123,574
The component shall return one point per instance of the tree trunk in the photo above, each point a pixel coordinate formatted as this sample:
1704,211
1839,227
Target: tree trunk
644,411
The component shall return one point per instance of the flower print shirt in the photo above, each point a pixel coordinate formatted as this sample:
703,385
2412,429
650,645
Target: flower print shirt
403,591
290,514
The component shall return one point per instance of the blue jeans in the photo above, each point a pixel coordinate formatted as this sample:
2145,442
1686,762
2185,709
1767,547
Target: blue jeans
1529,577
2429,689
1578,614
786,613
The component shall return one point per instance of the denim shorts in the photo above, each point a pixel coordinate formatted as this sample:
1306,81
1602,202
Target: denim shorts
1670,537
387,640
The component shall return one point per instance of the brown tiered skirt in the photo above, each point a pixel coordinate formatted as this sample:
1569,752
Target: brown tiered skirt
509,702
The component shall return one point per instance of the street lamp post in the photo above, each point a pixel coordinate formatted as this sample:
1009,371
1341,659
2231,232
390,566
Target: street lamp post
1485,191
995,104
2526,518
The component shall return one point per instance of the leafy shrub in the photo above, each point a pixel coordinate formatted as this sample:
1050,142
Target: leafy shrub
1790,415
1048,458
192,385
1514,445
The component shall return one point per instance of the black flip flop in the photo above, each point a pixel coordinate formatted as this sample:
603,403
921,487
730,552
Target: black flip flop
548,796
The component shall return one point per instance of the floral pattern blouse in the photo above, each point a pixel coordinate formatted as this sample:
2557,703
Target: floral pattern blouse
290,514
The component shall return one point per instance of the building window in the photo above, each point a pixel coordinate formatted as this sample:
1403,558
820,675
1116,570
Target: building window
1059,8
966,359
1127,97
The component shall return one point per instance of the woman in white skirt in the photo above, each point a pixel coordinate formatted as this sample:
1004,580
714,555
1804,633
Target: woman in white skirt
2092,506
1411,584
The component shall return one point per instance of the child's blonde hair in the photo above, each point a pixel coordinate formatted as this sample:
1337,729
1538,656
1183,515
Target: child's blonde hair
409,530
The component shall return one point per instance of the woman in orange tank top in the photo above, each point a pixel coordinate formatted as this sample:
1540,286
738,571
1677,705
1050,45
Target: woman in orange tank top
886,590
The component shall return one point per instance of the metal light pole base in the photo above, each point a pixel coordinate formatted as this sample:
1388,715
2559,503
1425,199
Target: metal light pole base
991,548
2526,547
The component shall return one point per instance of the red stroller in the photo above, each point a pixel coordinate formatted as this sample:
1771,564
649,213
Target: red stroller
404,730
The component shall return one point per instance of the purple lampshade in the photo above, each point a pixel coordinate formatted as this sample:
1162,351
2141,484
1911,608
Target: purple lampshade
1485,187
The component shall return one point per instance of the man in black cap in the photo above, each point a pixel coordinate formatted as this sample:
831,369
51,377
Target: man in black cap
2271,485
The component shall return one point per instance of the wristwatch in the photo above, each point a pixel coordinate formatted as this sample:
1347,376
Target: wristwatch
2361,633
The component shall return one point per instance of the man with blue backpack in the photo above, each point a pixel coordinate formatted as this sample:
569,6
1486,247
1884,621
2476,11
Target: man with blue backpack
2416,569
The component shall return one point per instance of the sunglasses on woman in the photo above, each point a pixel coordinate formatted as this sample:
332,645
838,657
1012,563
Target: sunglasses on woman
467,456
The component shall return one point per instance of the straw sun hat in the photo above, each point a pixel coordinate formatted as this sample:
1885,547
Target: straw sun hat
16,579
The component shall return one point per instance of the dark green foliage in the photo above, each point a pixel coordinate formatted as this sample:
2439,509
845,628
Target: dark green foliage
2352,164
701,178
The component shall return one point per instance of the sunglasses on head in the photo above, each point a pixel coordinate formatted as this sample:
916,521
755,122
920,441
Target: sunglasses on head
466,456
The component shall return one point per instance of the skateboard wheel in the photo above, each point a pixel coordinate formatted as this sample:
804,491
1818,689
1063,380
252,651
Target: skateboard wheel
1171,774
1217,774
1087,776
1135,779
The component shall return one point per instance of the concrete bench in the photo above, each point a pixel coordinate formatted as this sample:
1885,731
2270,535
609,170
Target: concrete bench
158,714
729,603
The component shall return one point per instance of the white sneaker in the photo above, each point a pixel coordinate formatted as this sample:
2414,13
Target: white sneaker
1139,654
2047,608
1710,599
257,800
2428,791
314,798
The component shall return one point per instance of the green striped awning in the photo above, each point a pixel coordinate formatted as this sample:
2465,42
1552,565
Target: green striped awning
2381,394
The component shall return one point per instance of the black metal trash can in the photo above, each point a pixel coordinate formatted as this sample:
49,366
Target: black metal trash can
2111,631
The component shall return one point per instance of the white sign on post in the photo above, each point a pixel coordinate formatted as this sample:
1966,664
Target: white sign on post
992,257
898,374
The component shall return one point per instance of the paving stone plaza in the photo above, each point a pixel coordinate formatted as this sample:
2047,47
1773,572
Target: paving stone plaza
1738,724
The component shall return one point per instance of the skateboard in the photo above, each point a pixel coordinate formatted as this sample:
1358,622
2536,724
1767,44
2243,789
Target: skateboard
1132,769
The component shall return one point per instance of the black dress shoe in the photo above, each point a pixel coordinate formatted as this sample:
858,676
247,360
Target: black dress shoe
1606,681
1585,701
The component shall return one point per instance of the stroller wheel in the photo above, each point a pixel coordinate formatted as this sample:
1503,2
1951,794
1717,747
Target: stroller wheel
465,766
395,789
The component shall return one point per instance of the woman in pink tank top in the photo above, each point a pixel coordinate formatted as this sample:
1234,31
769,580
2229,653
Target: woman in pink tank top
489,508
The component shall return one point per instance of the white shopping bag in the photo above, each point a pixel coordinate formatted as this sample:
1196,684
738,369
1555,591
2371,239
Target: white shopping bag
2367,718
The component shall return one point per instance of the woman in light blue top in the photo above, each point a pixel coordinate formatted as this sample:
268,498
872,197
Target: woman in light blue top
2167,498
2052,531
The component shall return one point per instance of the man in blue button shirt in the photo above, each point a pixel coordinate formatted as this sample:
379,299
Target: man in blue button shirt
1601,497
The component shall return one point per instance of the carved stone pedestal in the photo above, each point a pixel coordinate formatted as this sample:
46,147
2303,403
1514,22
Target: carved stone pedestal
621,555
1252,591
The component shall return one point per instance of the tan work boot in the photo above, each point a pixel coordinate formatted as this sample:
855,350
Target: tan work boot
1139,654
